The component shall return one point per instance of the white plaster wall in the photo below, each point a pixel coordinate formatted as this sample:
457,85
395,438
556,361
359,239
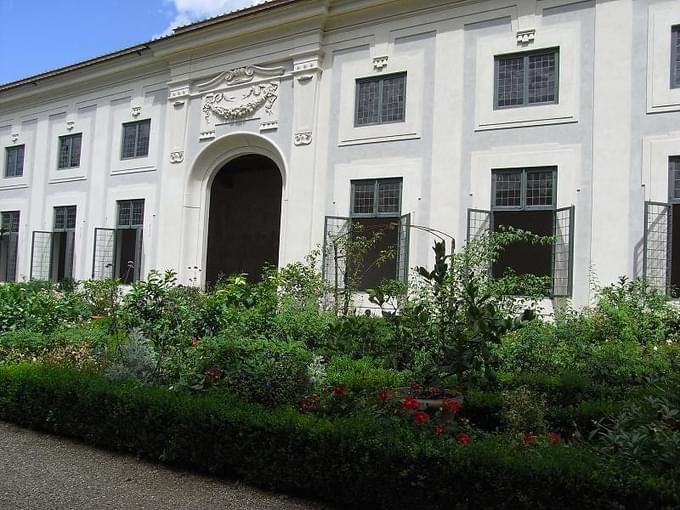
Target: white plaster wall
610,135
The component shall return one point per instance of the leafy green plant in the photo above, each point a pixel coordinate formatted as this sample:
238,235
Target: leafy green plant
135,359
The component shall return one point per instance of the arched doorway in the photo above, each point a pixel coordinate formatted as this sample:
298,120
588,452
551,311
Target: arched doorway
244,218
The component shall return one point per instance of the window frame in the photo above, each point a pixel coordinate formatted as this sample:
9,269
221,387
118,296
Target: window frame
136,124
673,168
130,224
381,82
8,150
62,140
675,65
65,209
14,214
524,171
555,50
376,195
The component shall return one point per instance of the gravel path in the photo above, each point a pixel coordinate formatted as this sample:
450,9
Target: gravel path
40,471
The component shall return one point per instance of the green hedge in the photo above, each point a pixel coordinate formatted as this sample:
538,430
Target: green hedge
359,461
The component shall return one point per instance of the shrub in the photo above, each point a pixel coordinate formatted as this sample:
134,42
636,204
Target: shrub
359,461
134,359
266,371
524,411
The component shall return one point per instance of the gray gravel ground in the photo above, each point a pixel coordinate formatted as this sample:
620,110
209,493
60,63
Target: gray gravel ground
40,471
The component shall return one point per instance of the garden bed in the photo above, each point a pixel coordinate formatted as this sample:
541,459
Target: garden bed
359,461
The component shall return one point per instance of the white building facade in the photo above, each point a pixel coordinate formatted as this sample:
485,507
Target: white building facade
251,137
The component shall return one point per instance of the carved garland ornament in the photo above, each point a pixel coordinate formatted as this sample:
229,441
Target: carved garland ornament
259,96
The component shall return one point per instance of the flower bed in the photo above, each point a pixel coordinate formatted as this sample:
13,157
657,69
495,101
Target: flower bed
360,460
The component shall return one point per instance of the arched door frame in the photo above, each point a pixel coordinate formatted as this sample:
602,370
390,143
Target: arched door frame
196,204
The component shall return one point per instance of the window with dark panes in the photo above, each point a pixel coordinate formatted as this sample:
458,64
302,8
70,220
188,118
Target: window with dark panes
14,161
375,216
675,56
380,100
529,78
136,139
524,198
128,240
9,235
63,243
69,150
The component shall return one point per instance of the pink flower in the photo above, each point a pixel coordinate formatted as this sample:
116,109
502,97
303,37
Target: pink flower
440,430
421,418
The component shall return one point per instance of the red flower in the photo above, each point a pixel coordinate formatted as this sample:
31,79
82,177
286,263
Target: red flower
440,430
554,439
339,390
213,374
463,438
528,439
194,342
410,403
421,418
452,406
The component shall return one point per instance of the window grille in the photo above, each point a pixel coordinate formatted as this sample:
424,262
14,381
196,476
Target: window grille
656,244
563,252
130,213
136,139
41,255
380,100
675,57
526,78
69,150
14,161
376,197
524,188
65,218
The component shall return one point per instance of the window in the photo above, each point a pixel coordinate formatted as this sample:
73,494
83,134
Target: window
136,139
14,161
128,253
675,57
529,78
69,151
674,230
375,214
9,236
525,199
380,100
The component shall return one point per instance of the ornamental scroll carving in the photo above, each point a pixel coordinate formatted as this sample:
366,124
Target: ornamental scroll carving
232,108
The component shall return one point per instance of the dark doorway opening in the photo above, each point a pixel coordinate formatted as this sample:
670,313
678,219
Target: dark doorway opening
380,260
675,250
244,218
524,258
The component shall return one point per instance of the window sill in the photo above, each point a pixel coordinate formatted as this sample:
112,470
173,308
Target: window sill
12,185
133,170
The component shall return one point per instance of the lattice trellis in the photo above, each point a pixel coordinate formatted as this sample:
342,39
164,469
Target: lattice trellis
478,223
563,251
657,244
41,255
403,247
336,234
104,251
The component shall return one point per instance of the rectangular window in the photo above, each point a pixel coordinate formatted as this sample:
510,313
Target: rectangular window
63,243
136,139
14,161
9,235
525,199
675,57
128,240
380,100
375,220
674,227
69,151
529,78
65,218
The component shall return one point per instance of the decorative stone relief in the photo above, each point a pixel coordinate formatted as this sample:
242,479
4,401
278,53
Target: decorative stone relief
176,157
240,75
14,137
179,96
525,37
269,126
136,111
258,97
303,138
380,63
70,125
304,71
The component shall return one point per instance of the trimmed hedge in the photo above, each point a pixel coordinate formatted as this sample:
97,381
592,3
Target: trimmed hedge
359,461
